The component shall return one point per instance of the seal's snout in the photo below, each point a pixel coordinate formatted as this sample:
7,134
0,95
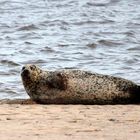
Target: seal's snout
25,71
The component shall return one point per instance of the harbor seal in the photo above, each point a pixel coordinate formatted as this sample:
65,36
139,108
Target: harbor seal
69,86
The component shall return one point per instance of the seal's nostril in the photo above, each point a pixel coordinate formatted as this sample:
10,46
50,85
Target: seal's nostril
23,68
25,72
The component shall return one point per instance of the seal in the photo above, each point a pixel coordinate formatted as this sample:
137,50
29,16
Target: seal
69,86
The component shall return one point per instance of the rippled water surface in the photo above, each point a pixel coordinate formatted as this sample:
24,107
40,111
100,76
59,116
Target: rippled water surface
101,36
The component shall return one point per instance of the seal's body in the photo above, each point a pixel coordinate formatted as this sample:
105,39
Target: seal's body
77,87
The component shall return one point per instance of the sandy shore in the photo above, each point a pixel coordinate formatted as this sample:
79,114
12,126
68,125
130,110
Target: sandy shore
69,122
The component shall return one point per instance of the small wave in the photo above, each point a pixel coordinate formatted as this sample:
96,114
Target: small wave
137,48
27,52
9,91
39,61
98,3
9,63
84,22
47,49
88,22
14,71
3,73
8,73
129,33
30,35
4,26
132,61
28,27
109,42
92,45
28,43
57,22
63,45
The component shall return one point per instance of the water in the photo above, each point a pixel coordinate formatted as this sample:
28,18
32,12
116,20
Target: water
100,36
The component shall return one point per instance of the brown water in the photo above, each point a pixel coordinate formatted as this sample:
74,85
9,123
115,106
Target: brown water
101,36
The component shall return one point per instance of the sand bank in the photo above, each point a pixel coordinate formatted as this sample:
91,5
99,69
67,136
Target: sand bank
32,121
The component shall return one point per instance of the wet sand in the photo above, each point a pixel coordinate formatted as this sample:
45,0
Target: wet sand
22,120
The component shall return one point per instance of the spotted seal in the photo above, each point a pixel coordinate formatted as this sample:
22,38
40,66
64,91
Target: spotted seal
77,87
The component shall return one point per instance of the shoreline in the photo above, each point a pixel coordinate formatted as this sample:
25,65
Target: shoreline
21,119
17,101
30,102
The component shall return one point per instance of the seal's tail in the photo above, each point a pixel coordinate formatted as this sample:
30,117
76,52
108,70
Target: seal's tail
138,90
137,94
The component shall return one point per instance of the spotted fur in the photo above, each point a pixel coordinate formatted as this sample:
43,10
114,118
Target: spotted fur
77,87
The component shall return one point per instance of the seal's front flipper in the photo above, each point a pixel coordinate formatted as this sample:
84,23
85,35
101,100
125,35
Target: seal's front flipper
57,80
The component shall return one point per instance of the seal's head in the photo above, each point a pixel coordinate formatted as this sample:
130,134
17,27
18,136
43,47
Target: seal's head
30,73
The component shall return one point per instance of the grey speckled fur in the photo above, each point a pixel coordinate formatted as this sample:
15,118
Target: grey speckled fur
77,87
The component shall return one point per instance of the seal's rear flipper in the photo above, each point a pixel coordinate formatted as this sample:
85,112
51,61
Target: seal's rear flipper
136,93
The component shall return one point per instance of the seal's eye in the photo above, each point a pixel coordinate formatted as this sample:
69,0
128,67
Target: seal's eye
33,67
23,68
